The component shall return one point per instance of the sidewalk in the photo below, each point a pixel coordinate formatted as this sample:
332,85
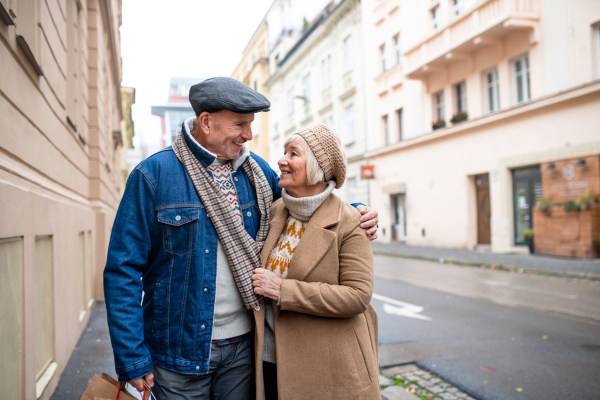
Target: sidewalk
92,356
528,262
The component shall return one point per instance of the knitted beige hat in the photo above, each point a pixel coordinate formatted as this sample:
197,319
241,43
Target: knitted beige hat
327,148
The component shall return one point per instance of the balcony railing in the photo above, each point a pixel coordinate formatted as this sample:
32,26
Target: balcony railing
390,79
484,24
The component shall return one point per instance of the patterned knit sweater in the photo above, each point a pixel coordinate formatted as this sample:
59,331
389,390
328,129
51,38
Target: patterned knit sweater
278,262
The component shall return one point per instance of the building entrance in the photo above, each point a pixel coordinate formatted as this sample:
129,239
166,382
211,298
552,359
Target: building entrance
527,190
399,222
482,183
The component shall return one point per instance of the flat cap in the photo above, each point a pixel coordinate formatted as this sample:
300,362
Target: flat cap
222,93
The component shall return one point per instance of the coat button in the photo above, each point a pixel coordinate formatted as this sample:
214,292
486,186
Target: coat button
249,214
206,251
197,368
177,218
235,178
202,326
205,290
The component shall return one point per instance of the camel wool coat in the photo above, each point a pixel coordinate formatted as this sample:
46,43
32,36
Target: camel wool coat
326,328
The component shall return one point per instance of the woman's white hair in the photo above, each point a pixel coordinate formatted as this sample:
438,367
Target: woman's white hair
314,173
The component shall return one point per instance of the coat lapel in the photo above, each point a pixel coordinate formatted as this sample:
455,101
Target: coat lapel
316,239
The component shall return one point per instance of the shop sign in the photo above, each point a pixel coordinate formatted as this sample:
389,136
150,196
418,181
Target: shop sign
367,172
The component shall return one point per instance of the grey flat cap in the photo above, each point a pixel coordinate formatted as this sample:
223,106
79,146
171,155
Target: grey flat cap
221,93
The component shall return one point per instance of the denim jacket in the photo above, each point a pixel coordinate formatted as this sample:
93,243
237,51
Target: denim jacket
163,243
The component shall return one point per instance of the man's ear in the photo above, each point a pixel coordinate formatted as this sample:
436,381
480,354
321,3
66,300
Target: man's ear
204,122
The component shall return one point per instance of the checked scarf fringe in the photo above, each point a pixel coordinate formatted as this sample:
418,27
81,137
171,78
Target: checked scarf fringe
243,252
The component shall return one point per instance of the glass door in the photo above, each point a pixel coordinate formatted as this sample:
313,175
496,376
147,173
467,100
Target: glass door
399,212
527,190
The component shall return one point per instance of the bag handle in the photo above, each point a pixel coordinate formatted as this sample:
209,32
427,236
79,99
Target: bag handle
143,394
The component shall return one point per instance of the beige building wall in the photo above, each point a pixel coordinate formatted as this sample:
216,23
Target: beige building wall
60,178
436,169
253,71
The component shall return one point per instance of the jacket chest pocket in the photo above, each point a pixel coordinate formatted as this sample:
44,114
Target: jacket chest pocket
180,229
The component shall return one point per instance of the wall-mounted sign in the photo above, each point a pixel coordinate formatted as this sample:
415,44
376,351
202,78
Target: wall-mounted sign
367,172
566,180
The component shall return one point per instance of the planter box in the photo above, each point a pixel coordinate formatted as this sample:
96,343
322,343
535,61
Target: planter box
567,234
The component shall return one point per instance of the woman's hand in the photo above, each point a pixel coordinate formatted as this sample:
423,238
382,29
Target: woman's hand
368,221
266,284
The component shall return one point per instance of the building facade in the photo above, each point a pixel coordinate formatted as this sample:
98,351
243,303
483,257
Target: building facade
177,109
507,88
60,179
321,80
253,71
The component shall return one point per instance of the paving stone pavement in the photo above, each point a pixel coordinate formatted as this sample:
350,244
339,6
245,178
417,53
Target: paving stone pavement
418,382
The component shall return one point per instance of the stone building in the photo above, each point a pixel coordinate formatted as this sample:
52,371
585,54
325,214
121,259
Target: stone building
60,179
504,98
321,80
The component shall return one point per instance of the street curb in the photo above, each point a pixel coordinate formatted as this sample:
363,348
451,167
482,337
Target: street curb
495,267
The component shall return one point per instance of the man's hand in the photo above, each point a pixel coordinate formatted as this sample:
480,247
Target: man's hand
266,283
368,221
138,383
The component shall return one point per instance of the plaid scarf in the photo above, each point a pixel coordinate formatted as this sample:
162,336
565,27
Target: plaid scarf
243,252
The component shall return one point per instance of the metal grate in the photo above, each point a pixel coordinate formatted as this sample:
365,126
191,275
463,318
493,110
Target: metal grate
404,353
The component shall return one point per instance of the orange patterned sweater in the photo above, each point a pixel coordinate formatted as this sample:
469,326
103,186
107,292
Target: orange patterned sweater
281,256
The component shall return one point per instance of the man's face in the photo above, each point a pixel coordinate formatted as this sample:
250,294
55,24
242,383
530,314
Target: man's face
227,132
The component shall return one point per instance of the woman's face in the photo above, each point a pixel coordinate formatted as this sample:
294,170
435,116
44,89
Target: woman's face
293,166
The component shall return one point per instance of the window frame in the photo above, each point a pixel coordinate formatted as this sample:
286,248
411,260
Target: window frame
460,97
348,61
495,88
352,184
326,72
436,17
386,129
290,98
458,7
398,48
306,87
526,82
349,128
438,105
382,58
400,120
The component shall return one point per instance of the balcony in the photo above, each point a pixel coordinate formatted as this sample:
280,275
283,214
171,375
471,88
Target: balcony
383,9
483,25
390,79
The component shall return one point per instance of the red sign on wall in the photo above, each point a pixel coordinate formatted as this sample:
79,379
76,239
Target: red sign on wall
367,172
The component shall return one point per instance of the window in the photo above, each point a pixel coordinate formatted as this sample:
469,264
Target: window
256,124
43,315
349,118
436,17
255,84
386,134
11,317
438,101
398,49
348,64
81,277
521,80
458,7
352,191
460,97
326,72
276,112
527,190
492,97
382,55
328,121
400,123
306,87
291,100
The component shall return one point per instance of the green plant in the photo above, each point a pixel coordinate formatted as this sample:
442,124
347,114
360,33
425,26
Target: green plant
571,205
587,199
439,124
527,234
544,204
459,117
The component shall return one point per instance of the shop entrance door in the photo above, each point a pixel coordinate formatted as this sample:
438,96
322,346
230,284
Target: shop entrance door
527,190
482,183
399,222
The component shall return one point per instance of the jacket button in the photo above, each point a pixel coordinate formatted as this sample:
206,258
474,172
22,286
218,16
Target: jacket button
202,326
177,218
249,214
197,368
206,251
235,178
205,290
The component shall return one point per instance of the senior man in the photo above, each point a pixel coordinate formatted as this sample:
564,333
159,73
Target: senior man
188,234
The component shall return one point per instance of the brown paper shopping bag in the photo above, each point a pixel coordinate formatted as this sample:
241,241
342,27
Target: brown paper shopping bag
108,388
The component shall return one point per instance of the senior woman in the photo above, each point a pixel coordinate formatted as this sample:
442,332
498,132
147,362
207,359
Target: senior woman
318,336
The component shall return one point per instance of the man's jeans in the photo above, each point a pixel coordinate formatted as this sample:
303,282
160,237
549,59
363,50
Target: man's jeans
230,376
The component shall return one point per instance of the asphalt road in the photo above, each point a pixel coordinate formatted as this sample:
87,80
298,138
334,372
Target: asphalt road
538,334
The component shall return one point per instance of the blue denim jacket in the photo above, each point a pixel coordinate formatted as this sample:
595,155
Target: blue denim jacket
163,243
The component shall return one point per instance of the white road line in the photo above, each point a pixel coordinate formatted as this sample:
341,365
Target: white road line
530,289
400,308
